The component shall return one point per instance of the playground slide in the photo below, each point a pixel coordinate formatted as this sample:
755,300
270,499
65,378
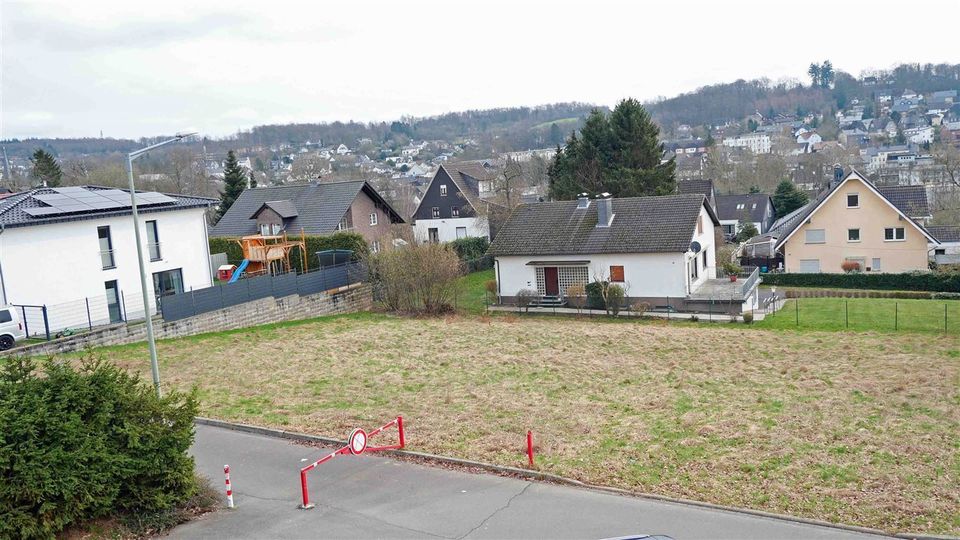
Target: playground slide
239,271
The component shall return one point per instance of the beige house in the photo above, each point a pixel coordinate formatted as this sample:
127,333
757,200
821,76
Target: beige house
854,221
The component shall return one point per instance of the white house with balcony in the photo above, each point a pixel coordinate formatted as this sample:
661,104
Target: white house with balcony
72,249
661,250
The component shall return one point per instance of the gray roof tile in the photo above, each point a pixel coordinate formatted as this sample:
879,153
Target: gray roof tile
640,225
727,206
319,207
12,212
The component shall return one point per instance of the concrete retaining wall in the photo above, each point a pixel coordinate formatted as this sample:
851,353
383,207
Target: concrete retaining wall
262,311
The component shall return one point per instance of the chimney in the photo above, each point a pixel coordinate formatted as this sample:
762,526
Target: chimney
583,201
604,210
837,173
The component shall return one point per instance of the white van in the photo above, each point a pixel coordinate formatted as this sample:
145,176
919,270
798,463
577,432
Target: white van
11,327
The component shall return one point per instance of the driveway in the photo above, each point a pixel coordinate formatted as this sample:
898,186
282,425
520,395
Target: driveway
376,497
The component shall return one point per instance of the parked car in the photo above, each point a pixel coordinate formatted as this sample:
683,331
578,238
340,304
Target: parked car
11,327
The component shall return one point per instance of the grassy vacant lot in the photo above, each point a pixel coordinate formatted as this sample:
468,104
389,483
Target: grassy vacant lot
868,314
859,428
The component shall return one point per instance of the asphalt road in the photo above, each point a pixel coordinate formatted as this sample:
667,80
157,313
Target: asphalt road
375,497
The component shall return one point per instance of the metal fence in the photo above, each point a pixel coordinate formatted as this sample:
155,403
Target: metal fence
870,314
49,321
188,304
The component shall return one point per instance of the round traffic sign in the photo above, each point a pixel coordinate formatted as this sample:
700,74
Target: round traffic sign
358,441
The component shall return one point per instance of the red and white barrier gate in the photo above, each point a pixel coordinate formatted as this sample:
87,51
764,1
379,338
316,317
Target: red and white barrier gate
356,445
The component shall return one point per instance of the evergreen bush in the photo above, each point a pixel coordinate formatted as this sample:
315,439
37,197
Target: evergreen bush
80,443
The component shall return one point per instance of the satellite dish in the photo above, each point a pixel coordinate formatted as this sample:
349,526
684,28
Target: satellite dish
695,246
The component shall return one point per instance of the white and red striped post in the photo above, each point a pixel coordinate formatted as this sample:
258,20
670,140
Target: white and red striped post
226,474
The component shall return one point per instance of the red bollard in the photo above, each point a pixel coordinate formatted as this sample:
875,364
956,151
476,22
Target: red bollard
530,447
226,474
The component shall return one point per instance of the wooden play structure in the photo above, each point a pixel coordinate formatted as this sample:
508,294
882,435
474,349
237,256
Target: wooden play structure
271,254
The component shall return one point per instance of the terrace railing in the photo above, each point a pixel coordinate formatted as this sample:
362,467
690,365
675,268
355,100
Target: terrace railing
750,282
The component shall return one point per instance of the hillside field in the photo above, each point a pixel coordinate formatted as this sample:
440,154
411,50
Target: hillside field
857,428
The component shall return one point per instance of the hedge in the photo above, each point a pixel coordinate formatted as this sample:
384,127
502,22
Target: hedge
80,443
915,281
341,240
470,248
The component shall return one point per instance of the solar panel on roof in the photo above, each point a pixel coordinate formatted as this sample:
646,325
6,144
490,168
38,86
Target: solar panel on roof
69,190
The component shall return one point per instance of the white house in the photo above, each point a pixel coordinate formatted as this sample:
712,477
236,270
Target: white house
342,149
919,135
661,250
758,143
73,249
451,207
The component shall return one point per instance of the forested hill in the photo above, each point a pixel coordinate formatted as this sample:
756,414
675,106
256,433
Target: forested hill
505,129
730,102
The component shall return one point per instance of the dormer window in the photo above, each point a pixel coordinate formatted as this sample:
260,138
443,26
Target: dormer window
853,200
435,212
443,190
454,211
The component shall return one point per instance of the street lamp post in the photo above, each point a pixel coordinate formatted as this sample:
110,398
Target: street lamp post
143,269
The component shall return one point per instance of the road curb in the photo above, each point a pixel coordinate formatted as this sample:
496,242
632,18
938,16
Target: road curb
547,477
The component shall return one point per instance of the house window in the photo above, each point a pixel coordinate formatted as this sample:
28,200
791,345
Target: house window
433,234
454,211
343,225
704,259
153,241
106,248
853,235
694,268
853,200
939,252
816,236
168,282
699,224
373,218
435,212
729,230
375,246
616,274
876,264
894,234
443,190
461,232
809,266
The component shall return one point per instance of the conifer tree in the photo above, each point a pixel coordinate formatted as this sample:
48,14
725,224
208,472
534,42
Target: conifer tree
234,182
788,198
46,171
619,153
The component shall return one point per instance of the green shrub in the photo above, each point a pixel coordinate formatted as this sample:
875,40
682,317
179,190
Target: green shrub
79,443
748,317
340,240
595,295
914,281
470,248
615,295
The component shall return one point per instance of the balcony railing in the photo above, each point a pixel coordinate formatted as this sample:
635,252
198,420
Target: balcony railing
750,282
154,249
106,259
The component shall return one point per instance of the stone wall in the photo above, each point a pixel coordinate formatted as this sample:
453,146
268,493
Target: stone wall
262,311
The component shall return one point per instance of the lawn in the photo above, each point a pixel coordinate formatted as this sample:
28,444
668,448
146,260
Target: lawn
858,428
473,296
868,314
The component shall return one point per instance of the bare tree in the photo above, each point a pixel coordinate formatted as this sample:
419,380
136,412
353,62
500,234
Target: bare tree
947,156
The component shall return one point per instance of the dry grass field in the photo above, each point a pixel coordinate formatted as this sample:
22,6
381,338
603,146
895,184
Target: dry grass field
856,428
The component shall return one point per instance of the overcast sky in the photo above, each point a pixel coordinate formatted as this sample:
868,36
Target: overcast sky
74,68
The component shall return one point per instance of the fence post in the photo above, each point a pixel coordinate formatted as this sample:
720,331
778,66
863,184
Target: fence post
46,322
796,302
846,313
896,316
89,320
944,318
26,327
